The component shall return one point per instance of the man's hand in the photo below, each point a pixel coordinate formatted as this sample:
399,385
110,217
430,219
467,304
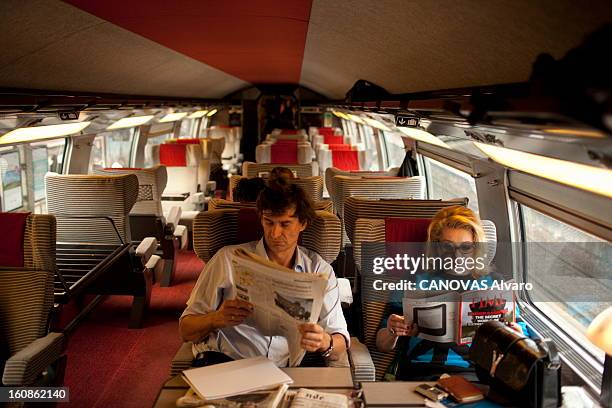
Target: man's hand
232,313
314,338
398,326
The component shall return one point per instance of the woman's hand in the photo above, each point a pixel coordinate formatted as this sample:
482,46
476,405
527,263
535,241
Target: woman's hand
397,326
516,327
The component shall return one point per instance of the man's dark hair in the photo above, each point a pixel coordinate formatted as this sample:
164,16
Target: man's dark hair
281,195
280,172
248,189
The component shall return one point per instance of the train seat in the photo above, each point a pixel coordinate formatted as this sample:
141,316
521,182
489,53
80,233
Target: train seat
147,217
204,159
284,151
184,166
218,228
375,187
28,348
251,169
94,250
372,208
342,156
220,204
313,186
330,172
375,304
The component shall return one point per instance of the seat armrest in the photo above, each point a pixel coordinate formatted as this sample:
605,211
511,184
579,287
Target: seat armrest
174,216
182,359
195,198
361,361
146,248
24,367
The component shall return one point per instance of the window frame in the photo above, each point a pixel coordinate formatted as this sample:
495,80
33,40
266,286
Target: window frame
579,209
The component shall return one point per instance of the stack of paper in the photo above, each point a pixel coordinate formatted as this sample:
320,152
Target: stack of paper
234,378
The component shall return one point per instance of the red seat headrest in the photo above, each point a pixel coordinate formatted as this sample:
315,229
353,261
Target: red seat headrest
172,154
12,226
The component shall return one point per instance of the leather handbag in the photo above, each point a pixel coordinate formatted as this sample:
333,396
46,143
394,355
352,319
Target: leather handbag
526,371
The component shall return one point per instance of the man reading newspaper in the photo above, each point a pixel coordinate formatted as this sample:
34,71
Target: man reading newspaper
214,319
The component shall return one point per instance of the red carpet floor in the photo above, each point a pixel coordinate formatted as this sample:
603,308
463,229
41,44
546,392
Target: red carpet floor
110,365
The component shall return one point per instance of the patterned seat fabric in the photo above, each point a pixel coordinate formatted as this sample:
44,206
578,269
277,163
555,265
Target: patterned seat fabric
215,229
251,169
332,171
84,204
313,186
359,207
26,301
151,184
220,204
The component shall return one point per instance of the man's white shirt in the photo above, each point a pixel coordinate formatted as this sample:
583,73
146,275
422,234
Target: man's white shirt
242,341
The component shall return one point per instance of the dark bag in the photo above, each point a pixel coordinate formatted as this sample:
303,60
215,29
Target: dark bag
526,371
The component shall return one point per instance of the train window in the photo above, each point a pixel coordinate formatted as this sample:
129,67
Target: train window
445,182
570,253
371,148
46,156
395,149
11,177
153,141
112,149
187,129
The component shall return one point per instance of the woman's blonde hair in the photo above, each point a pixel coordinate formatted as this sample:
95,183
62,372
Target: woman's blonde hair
455,217
459,217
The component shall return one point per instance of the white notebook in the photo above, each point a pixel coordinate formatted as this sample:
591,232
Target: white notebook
236,377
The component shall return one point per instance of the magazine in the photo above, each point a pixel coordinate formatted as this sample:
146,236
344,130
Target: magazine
478,307
281,298
454,316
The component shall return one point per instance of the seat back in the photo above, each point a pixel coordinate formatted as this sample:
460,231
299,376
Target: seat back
215,229
330,172
26,300
313,186
29,241
185,168
375,187
251,169
220,204
361,207
84,205
284,151
151,184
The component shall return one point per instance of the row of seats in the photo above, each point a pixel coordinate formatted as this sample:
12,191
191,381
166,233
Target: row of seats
367,220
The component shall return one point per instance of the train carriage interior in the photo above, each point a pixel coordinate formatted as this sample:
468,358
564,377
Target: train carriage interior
135,137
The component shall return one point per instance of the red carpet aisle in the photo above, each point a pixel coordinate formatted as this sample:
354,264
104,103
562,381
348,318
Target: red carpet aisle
110,365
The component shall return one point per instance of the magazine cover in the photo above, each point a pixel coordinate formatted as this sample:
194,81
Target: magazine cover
478,307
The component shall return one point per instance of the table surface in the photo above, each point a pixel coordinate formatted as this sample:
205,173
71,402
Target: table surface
325,379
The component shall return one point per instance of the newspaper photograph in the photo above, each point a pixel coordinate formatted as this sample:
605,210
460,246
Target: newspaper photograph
435,316
282,298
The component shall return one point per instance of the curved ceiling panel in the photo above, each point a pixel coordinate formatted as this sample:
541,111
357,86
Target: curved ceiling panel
258,41
412,46
52,45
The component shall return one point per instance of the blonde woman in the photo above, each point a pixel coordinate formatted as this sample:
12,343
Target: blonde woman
454,232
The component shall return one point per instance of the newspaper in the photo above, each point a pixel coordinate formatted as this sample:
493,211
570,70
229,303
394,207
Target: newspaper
257,399
306,398
282,298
